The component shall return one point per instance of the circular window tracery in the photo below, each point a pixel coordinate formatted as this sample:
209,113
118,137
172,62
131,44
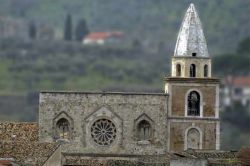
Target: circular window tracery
103,132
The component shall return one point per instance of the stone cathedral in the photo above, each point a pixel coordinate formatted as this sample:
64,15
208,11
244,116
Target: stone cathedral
185,116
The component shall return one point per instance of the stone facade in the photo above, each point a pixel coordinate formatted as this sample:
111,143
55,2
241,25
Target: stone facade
124,110
185,117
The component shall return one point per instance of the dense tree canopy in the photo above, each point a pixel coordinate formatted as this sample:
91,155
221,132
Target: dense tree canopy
68,28
81,30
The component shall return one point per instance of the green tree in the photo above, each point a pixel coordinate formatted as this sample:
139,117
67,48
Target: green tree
68,28
234,64
32,30
231,64
81,30
244,46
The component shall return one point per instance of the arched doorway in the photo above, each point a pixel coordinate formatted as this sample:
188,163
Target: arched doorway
193,139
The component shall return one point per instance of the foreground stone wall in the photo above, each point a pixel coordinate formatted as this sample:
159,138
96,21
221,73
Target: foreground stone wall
189,162
124,110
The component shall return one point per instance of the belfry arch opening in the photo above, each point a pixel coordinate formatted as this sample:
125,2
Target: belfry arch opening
178,70
193,104
192,70
205,70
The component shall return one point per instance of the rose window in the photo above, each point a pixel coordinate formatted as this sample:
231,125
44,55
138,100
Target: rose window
103,132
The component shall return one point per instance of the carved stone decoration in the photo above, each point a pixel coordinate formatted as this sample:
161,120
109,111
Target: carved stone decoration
103,132
104,128
193,139
144,128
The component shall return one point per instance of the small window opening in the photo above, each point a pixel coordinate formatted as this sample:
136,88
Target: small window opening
193,104
144,130
206,71
192,70
178,70
194,54
63,129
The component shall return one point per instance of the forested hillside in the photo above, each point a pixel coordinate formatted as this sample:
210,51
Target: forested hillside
153,22
38,65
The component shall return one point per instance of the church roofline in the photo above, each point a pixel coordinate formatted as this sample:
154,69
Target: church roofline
105,93
192,80
190,57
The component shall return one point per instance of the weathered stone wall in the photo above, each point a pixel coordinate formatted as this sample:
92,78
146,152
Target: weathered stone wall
179,122
178,130
189,162
82,109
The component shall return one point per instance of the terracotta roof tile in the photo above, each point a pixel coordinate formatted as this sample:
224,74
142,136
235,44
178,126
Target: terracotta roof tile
19,132
237,81
5,163
103,35
244,155
32,153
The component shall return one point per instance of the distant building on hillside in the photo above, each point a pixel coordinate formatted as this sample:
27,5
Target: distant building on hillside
101,38
12,28
236,89
45,32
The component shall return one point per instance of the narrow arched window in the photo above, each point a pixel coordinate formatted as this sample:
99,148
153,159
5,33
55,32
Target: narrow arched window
206,71
193,139
144,130
193,104
178,70
63,129
192,70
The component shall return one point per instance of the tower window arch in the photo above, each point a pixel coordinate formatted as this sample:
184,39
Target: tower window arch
193,104
178,70
192,71
193,138
205,70
63,129
144,130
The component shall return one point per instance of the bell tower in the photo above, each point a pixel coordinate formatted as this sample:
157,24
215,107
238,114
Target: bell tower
193,116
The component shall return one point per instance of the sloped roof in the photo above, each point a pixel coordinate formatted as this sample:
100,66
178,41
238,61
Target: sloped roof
191,38
244,156
20,142
27,153
19,132
237,81
103,35
5,163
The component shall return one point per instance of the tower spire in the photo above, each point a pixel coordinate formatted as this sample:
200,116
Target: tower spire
191,40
